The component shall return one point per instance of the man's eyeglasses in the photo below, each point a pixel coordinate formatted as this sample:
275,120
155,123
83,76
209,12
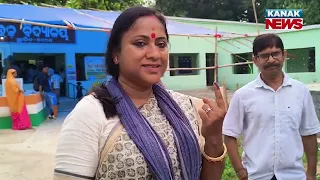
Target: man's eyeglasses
275,55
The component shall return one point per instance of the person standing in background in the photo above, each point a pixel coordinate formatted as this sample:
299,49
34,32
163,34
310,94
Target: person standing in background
31,72
44,89
16,102
55,84
50,73
79,91
17,67
276,119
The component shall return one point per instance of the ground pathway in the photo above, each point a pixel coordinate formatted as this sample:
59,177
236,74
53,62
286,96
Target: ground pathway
29,155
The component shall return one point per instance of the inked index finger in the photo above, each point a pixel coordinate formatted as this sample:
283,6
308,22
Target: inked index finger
219,98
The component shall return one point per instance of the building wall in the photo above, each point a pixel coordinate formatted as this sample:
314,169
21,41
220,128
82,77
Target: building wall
291,40
202,46
195,45
95,42
86,42
224,26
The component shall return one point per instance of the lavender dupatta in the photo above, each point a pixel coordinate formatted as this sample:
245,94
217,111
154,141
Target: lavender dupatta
148,141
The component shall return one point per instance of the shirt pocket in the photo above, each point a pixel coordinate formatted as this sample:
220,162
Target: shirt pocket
257,115
291,116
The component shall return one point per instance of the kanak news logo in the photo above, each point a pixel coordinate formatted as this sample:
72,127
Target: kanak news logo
284,19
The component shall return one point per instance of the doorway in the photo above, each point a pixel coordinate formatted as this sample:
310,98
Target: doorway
30,63
49,60
57,63
210,72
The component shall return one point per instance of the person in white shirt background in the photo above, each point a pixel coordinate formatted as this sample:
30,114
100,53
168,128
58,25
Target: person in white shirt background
55,81
275,118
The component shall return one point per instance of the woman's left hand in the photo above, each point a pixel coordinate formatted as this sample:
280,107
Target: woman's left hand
212,114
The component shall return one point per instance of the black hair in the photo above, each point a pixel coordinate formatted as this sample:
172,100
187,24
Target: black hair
265,41
122,24
44,66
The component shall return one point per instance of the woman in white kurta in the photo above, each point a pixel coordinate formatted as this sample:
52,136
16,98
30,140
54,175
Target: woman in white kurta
131,127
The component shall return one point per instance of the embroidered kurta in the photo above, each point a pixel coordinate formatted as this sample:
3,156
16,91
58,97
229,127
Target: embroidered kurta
124,161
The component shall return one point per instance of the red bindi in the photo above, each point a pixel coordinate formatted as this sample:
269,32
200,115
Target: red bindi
153,35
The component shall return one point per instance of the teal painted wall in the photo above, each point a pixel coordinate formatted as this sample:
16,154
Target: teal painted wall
196,45
201,46
225,49
291,40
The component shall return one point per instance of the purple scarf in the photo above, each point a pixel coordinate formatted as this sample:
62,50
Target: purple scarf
149,142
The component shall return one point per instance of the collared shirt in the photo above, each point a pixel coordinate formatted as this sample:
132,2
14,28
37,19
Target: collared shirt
56,80
271,124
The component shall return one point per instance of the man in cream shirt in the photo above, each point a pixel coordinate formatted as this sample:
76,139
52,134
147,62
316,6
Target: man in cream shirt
275,118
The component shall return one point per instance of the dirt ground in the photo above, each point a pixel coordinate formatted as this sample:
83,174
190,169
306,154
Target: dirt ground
29,154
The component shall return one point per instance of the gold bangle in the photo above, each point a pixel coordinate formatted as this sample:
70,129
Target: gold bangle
217,159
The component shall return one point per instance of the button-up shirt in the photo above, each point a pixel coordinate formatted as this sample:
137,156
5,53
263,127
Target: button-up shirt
270,124
56,80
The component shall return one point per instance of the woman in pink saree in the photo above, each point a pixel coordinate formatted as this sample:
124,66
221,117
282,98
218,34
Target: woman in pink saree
16,103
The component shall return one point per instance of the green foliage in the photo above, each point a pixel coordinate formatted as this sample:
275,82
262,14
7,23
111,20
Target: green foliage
229,173
232,10
311,9
237,10
113,5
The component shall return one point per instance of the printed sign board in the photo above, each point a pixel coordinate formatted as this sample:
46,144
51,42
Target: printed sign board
11,32
284,19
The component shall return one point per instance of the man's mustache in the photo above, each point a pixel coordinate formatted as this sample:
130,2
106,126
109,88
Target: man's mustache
271,65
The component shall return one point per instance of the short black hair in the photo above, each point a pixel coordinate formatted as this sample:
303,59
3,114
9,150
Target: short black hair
44,66
265,41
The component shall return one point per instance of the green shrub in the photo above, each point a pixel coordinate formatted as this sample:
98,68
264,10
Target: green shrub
95,84
230,174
